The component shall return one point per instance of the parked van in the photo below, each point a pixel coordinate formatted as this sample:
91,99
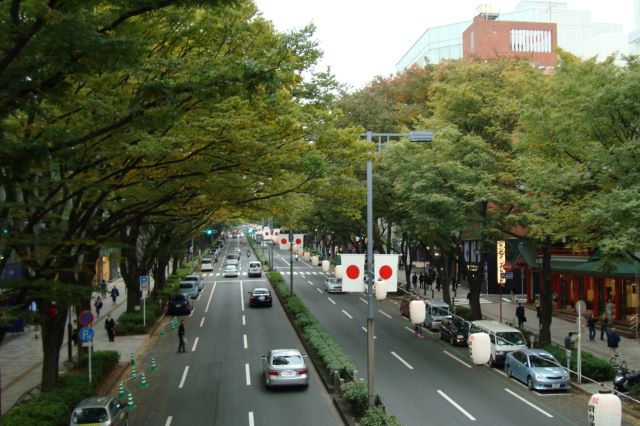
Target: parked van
504,339
437,310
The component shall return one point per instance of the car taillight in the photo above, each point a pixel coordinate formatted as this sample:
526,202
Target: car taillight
253,298
273,372
302,371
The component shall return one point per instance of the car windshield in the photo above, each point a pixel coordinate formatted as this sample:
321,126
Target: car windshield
186,286
231,256
191,278
83,416
510,338
287,360
459,325
440,312
542,362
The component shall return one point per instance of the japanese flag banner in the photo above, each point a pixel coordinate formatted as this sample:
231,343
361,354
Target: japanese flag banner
283,240
298,239
386,268
276,231
266,232
352,272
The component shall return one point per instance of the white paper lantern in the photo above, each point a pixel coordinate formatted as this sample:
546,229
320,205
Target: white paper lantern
417,311
604,409
380,289
479,348
338,271
300,251
315,260
306,256
326,265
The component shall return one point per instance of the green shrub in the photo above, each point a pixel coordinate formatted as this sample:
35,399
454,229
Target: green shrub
592,367
132,322
102,362
377,416
357,395
464,313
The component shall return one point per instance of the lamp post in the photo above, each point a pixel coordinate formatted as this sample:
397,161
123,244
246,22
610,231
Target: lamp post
291,261
414,136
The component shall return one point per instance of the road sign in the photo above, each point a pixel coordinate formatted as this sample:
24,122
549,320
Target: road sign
86,334
85,318
581,306
507,275
507,266
144,282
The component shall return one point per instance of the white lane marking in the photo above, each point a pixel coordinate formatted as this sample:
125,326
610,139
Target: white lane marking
251,423
319,291
403,317
532,405
243,320
241,296
365,330
184,376
384,313
201,321
363,301
457,359
310,283
244,338
247,373
331,300
455,404
192,311
168,422
195,344
410,330
409,366
347,314
210,297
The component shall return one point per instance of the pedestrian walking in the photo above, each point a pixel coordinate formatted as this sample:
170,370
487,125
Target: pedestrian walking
438,283
98,305
414,280
536,303
418,330
421,280
103,289
181,342
608,309
520,315
569,341
591,324
613,341
114,293
604,325
110,326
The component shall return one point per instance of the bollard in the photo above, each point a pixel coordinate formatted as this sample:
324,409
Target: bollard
162,332
133,360
143,381
134,373
130,404
121,391
154,366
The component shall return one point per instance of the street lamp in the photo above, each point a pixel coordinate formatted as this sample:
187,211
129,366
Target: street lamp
414,136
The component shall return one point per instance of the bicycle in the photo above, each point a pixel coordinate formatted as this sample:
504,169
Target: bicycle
617,361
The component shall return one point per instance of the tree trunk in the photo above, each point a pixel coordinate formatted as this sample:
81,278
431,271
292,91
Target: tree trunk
546,308
52,334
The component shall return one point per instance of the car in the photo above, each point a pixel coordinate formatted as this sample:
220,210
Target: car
285,367
538,369
100,411
503,339
255,269
454,330
206,266
197,279
179,304
189,289
333,285
231,271
404,305
260,297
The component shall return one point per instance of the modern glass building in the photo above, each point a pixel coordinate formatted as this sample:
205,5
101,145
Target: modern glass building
577,33
634,37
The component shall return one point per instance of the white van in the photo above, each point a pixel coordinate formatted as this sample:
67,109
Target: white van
504,339
437,310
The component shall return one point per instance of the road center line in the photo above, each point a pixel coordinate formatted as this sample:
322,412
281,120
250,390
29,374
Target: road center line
363,301
347,314
201,321
247,374
455,404
241,296
331,300
319,291
210,297
251,423
184,376
243,320
195,344
409,366
457,359
244,338
310,283
168,422
384,313
365,330
409,330
532,405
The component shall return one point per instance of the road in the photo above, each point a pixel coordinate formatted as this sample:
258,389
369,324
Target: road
427,381
219,381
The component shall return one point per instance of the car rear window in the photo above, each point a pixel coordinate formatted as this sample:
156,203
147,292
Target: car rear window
186,285
191,278
231,256
254,265
206,261
85,416
259,292
287,360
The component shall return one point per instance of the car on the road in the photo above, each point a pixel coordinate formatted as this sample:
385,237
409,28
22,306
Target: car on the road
206,265
197,279
260,297
99,411
404,305
231,271
538,369
232,259
454,330
285,367
436,311
503,338
179,304
333,285
255,269
189,289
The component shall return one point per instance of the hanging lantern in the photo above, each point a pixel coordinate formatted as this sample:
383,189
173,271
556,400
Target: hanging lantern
300,251
338,271
604,409
315,260
417,311
326,265
380,289
479,348
306,256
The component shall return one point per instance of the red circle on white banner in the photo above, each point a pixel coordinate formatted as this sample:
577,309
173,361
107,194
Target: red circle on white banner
266,233
353,272
298,240
385,272
283,241
276,233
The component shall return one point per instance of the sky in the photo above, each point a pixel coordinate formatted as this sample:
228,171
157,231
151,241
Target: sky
365,38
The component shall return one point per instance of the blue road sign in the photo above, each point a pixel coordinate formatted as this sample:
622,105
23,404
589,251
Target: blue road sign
86,334
144,280
85,318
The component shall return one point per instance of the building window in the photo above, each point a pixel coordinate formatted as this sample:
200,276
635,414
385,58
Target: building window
473,41
530,41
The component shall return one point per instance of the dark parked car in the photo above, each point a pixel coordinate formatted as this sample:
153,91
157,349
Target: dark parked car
179,304
260,297
454,330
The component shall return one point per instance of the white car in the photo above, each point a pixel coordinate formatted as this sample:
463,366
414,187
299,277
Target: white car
333,285
206,266
255,269
231,271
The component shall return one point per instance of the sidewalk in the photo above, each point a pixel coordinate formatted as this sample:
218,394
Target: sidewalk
21,353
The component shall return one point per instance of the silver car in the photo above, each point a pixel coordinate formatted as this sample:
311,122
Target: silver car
285,367
333,285
538,369
99,410
197,279
189,289
231,271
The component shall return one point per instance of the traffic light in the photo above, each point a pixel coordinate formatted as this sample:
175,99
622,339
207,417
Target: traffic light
208,231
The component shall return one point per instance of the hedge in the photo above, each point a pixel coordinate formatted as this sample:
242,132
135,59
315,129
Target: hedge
357,394
594,368
131,323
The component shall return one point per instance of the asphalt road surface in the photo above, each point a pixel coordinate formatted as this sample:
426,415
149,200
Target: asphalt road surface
219,380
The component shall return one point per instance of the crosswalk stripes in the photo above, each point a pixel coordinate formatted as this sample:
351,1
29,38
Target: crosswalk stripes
464,301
